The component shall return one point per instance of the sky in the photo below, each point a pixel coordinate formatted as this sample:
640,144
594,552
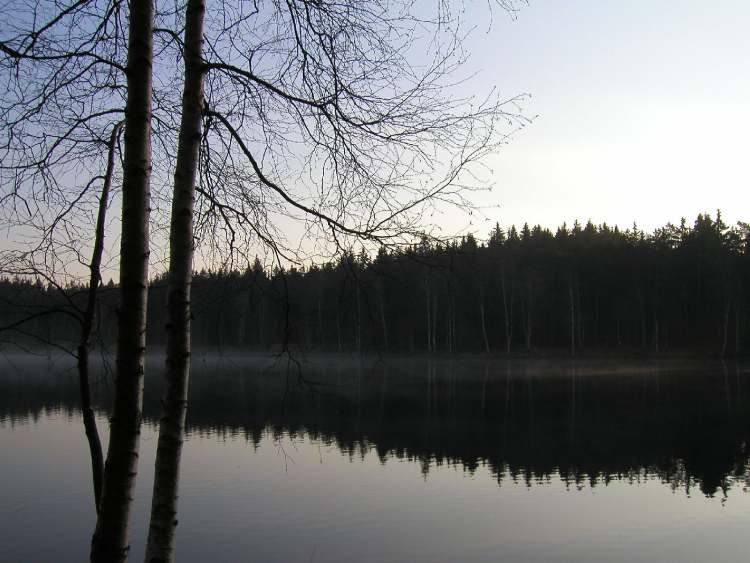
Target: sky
642,112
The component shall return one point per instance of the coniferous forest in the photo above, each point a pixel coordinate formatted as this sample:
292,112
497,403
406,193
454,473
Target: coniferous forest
582,288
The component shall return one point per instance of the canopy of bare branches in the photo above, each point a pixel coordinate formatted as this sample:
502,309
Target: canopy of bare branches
324,122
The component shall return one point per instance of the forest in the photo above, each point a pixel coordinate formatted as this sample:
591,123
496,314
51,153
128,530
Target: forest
583,288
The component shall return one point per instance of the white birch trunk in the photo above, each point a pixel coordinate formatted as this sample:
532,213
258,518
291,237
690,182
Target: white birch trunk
110,541
160,545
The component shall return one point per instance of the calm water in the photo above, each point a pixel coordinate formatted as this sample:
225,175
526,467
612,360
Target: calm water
404,460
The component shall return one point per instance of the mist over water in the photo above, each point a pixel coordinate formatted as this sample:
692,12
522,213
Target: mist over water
404,458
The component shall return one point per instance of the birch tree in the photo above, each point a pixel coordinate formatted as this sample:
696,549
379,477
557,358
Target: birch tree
160,545
110,540
66,85
338,118
62,75
318,113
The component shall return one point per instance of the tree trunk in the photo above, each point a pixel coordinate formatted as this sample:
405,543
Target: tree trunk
617,331
434,323
484,328
572,318
261,321
725,334
321,336
383,321
448,343
87,412
736,331
642,306
160,545
244,314
338,328
358,319
580,333
454,330
110,540
451,324
89,423
508,310
596,336
529,310
428,307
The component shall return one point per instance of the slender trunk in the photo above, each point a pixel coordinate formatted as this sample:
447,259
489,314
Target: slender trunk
87,412
642,305
338,327
89,423
510,319
508,335
572,318
454,330
308,333
244,313
484,328
596,338
241,321
321,335
529,310
579,317
448,343
383,321
434,323
736,331
160,545
428,307
451,321
358,319
110,540
261,320
617,330
725,335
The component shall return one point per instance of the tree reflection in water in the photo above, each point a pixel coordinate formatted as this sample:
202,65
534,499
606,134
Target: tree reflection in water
584,422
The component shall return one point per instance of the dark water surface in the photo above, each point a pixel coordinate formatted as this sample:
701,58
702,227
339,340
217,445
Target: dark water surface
404,460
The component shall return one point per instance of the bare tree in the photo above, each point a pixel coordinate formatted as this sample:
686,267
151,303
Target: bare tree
61,111
89,421
110,540
65,84
316,112
160,544
342,117
24,264
340,121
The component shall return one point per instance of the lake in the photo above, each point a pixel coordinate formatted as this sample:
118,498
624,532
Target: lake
402,459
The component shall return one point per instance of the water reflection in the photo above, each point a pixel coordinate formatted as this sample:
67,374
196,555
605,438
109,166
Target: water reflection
585,423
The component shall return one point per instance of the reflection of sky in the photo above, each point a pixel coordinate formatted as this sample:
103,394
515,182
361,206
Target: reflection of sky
300,500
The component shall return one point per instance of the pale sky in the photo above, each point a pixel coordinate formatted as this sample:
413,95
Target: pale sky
643,111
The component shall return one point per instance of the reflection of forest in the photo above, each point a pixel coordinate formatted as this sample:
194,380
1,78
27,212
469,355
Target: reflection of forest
686,424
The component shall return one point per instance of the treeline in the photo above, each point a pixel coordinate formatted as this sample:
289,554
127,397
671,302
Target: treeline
582,288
